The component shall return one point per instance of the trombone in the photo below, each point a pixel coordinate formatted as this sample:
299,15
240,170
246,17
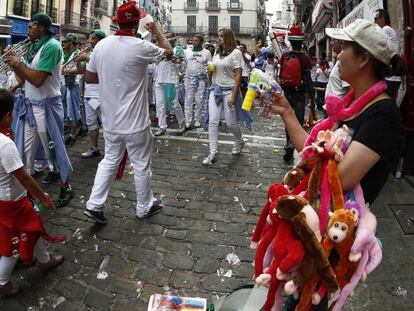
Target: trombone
18,49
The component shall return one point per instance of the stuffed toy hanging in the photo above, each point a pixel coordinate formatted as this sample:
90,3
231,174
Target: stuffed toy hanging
288,253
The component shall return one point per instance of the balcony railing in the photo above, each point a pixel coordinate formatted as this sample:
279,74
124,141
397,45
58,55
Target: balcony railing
190,30
213,6
101,6
72,20
234,6
190,6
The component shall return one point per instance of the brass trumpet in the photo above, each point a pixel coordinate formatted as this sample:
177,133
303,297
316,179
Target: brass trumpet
19,50
71,60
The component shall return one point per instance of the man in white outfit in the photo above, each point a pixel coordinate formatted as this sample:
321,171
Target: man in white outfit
124,107
167,77
92,109
195,81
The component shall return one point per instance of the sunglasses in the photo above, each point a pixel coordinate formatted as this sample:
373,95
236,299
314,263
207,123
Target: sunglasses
33,24
64,41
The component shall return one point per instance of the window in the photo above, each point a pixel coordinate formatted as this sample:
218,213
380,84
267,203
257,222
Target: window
35,7
346,6
213,3
212,24
234,4
191,3
191,23
235,24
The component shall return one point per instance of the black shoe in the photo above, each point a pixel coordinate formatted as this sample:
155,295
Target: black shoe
70,141
82,132
37,174
66,194
90,154
97,216
50,178
155,209
288,154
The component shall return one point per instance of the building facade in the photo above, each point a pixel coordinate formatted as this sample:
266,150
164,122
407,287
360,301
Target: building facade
246,18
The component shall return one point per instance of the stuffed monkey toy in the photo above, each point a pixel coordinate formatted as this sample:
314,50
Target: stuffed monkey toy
304,219
288,253
340,236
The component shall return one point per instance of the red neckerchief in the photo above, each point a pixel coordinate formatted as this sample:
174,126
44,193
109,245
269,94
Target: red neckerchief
323,68
125,32
6,131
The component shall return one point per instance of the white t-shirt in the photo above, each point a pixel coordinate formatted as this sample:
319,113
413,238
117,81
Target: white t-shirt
10,187
246,68
396,44
270,69
335,85
168,71
321,76
92,89
196,62
224,73
313,72
123,80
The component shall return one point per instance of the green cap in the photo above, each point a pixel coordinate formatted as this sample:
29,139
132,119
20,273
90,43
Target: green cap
72,37
99,33
43,19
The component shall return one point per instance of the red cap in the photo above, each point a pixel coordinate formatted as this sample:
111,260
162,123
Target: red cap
127,12
296,33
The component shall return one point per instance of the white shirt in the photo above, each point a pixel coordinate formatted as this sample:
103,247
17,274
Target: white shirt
335,85
313,72
224,68
168,71
123,80
92,89
51,86
246,68
196,62
10,187
396,44
270,69
321,76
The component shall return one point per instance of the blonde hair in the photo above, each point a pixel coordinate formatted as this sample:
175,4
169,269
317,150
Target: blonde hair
229,40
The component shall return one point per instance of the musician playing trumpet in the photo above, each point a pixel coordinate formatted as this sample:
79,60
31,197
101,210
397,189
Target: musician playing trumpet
70,86
40,115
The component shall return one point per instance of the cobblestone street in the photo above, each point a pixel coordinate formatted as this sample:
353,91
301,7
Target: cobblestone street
210,212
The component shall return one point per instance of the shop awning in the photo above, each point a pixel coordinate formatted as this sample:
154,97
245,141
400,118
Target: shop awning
321,14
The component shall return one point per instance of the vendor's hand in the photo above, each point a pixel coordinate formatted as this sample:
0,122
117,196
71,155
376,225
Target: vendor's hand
363,236
231,102
46,201
13,61
280,105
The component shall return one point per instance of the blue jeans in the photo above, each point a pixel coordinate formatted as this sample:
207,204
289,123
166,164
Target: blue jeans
297,100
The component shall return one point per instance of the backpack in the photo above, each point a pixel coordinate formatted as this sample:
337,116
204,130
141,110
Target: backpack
291,71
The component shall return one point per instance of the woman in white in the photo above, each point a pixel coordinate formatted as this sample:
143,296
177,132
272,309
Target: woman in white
224,77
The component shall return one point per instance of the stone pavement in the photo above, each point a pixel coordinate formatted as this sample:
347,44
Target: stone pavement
210,213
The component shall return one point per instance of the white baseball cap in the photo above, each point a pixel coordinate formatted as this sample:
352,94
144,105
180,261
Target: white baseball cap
368,35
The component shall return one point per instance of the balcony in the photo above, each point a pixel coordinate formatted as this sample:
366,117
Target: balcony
234,6
213,6
101,7
75,22
190,6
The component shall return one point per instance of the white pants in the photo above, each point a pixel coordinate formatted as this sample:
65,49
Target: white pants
92,115
194,95
214,112
7,263
139,147
32,137
161,110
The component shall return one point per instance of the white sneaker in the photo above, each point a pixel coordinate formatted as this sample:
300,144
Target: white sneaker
187,125
197,124
237,147
211,158
181,129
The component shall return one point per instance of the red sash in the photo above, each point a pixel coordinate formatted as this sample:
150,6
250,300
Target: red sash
20,228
